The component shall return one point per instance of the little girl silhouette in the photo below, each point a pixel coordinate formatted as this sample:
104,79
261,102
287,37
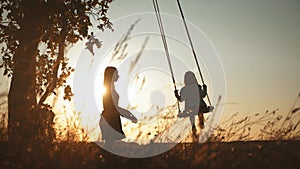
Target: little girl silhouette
192,94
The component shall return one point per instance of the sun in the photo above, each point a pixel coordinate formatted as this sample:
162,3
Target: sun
102,90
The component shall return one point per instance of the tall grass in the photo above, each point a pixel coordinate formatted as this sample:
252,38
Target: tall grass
270,125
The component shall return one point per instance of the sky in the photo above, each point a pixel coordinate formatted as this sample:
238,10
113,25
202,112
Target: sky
257,44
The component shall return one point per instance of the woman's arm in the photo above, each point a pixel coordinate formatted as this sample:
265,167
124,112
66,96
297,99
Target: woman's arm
125,113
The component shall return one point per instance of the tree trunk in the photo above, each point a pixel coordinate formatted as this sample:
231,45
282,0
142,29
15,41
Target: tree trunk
23,121
21,98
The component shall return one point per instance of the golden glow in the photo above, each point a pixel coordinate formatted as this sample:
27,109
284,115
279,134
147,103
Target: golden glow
103,90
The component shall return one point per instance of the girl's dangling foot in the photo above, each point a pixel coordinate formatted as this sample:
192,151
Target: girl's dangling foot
194,130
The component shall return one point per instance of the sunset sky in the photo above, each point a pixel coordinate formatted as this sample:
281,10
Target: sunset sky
257,42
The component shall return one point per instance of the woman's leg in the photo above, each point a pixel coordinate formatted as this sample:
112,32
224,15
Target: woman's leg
108,143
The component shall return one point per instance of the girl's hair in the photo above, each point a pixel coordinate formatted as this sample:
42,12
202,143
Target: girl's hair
108,76
190,78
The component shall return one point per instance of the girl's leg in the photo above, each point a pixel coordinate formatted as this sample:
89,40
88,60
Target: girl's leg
192,120
201,120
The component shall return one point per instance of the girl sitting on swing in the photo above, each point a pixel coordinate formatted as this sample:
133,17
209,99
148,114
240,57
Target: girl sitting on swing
193,94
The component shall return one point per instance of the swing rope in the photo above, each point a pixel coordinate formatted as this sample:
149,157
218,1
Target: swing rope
191,44
163,37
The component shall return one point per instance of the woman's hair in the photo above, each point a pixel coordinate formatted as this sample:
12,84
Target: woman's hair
108,76
190,78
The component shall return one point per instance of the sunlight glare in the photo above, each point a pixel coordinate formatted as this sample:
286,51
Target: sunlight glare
103,90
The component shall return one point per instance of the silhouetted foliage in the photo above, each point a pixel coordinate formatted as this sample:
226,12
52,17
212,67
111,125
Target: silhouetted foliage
34,36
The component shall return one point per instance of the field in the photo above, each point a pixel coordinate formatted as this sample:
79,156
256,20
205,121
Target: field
232,146
241,154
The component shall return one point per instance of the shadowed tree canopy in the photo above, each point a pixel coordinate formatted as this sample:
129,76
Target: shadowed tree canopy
51,26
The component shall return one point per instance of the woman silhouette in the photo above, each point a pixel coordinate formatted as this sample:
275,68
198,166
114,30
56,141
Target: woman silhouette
110,122
193,94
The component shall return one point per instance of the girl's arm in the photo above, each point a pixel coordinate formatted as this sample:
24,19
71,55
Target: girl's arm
177,95
203,92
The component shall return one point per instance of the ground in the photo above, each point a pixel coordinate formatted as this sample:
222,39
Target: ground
254,154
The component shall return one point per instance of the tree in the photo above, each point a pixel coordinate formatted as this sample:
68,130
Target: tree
26,27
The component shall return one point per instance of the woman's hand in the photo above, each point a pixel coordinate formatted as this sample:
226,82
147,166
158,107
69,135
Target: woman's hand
133,119
125,113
